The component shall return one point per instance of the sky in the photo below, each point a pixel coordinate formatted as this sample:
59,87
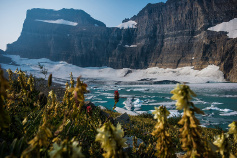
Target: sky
110,12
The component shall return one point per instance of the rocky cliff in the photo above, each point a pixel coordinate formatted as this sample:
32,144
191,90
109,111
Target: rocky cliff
4,59
168,35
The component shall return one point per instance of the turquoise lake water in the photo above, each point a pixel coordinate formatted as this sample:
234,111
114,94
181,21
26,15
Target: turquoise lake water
217,100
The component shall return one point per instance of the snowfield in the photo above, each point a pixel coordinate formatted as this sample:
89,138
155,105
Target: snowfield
127,25
59,21
230,27
61,70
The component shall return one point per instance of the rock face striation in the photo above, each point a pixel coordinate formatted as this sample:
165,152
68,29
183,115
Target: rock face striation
168,35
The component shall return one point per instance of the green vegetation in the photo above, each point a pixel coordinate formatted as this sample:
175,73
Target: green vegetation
35,125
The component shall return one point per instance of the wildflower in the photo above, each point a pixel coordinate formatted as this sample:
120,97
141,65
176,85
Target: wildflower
56,152
164,144
66,149
78,92
71,80
160,114
25,121
182,93
53,97
40,140
191,138
111,139
76,150
89,110
221,141
10,74
42,137
116,96
233,129
66,85
30,82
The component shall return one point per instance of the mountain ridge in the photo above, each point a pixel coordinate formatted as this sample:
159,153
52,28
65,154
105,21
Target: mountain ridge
168,35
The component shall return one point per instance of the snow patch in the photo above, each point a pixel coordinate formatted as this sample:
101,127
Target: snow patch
127,25
185,74
173,113
230,27
59,21
131,46
229,114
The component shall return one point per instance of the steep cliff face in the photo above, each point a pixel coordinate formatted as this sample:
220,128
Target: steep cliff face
4,59
168,35
175,34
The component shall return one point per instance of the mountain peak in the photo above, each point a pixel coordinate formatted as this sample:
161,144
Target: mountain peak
73,15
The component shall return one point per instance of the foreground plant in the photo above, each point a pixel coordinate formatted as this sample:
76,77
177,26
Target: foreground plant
222,141
190,133
111,140
4,117
233,130
79,92
66,149
164,144
40,141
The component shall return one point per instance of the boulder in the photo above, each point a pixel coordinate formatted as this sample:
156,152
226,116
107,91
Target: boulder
123,119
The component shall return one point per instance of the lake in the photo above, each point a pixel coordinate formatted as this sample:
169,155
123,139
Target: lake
217,100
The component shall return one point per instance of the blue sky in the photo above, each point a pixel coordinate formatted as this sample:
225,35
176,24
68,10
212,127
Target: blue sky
111,12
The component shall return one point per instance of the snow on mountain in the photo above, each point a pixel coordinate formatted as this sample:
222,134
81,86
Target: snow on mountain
61,70
230,27
59,21
131,46
129,24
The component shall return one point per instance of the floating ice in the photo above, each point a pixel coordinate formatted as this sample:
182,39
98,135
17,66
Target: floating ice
133,103
212,107
226,110
173,113
229,114
59,21
100,101
230,27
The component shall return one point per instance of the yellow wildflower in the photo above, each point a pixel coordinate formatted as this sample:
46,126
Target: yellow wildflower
164,144
233,130
160,113
221,142
111,139
56,152
42,137
76,151
182,93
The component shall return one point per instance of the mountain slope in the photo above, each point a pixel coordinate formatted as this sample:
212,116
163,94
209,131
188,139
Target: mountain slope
168,35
